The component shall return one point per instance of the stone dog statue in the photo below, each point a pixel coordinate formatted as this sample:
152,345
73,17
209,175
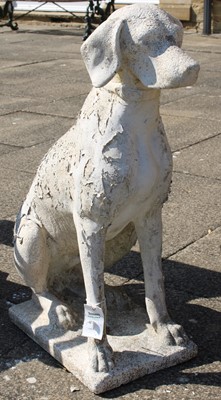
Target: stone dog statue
103,184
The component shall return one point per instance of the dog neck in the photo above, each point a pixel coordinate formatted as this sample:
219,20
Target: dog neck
130,89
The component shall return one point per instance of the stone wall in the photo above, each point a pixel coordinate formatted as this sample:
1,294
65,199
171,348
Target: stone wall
197,14
216,16
193,12
180,9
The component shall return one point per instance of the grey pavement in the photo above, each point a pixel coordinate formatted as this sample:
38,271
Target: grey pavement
43,84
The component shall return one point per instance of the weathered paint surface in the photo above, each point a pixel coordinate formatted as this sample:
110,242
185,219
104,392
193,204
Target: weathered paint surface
104,182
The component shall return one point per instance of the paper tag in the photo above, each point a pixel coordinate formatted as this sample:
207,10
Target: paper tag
93,322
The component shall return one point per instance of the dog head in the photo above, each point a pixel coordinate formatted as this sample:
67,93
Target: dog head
144,40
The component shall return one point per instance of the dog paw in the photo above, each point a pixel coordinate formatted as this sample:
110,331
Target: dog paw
100,355
172,334
64,317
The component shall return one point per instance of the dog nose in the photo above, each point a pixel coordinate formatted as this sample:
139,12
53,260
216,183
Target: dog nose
174,68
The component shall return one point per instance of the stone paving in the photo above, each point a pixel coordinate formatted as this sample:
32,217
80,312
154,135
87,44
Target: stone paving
43,85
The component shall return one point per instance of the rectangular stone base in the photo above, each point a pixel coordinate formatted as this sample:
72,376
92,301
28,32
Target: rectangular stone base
136,351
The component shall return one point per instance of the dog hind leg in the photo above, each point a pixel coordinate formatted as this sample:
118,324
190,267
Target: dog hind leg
31,256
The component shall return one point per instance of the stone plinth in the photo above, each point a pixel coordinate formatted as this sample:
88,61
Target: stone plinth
136,348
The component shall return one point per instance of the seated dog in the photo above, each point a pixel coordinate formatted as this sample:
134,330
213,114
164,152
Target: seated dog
104,182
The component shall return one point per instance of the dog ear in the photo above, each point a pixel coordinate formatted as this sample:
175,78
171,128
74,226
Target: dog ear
101,52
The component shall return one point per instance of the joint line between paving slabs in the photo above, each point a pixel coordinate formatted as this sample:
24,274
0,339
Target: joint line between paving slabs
198,176
198,142
49,114
192,242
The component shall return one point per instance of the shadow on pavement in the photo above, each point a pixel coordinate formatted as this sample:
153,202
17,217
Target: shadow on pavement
191,293
6,232
54,32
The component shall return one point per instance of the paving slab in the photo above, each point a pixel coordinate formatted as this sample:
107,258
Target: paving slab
205,156
68,107
27,159
196,106
28,129
9,274
11,196
50,87
66,40
202,43
196,272
211,63
10,103
204,253
192,210
46,70
182,132
208,78
5,149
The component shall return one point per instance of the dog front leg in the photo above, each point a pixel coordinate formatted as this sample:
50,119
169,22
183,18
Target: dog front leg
149,233
91,242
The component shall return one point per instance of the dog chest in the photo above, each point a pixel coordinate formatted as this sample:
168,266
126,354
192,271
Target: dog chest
126,165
